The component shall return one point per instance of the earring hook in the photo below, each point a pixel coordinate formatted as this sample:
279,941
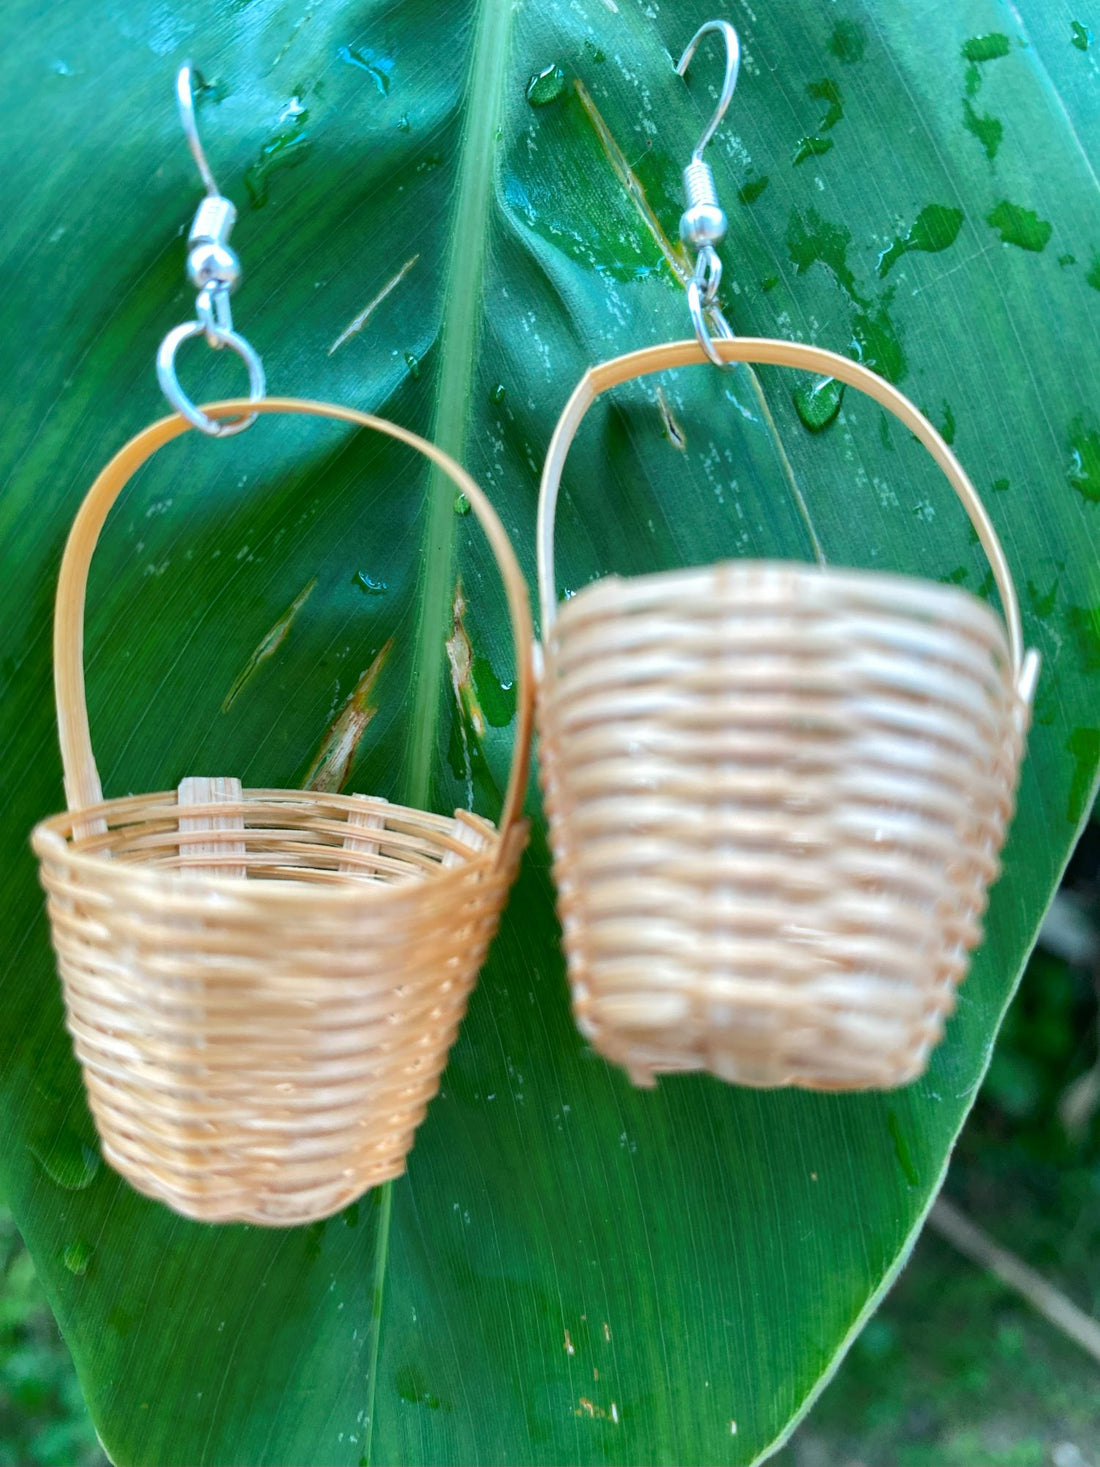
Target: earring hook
213,268
729,84
703,222
185,96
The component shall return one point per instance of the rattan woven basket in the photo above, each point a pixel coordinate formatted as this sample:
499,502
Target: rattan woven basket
776,793
262,985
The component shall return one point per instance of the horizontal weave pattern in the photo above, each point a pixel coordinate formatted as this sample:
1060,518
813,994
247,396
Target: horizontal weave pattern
263,1049
776,801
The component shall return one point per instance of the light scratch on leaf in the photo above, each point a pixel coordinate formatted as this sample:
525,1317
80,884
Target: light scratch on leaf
674,254
270,643
669,423
304,20
356,324
332,763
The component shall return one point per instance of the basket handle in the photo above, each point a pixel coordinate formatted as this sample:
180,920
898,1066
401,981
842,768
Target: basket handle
784,354
82,786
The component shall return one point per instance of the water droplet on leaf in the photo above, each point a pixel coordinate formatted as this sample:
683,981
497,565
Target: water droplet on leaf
546,85
497,392
811,239
462,504
76,1257
752,190
410,1386
986,48
368,583
286,145
413,364
1084,465
877,345
989,130
810,147
1021,227
828,92
378,68
901,1149
67,1160
935,228
848,41
818,402
1043,602
1080,35
496,699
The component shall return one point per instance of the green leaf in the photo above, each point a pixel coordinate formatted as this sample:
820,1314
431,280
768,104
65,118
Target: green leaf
437,226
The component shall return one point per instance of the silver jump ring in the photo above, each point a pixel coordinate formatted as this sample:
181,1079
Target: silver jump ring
708,274
699,319
214,314
170,385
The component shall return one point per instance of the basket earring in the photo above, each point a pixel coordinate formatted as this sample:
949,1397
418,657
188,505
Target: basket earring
262,985
776,793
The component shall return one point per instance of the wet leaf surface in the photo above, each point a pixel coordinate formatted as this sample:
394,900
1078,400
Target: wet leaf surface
572,1270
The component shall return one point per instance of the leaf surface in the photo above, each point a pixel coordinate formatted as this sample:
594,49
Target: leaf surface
572,1270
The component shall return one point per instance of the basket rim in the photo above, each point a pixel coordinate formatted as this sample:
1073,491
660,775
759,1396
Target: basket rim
677,581
49,839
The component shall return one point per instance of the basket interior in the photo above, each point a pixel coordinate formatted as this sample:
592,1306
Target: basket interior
273,835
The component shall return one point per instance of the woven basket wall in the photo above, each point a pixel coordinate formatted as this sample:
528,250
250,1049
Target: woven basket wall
777,793
264,1049
262,985
776,799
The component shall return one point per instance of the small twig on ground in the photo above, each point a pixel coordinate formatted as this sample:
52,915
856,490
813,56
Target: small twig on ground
946,1219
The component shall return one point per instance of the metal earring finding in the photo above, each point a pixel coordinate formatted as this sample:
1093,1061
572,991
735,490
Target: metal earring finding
703,222
215,270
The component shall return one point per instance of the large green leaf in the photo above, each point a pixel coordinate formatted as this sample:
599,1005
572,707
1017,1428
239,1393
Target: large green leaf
572,1270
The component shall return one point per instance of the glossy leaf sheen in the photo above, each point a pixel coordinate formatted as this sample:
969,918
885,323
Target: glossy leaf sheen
572,1270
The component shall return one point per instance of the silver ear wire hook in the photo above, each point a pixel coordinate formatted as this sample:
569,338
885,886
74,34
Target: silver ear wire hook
733,66
703,222
215,270
186,98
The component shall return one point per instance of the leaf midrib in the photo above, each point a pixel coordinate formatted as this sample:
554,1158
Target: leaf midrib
459,333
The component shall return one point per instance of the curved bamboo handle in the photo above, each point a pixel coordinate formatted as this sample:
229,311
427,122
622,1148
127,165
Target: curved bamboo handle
82,786
784,354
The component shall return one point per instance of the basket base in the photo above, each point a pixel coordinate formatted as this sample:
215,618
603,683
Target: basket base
276,1210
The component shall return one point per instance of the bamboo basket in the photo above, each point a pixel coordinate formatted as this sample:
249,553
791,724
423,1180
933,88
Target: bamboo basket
776,793
262,985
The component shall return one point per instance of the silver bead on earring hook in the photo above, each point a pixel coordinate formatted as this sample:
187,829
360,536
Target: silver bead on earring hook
214,269
703,222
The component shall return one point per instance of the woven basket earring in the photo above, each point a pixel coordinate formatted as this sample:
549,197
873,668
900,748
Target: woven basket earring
776,793
262,985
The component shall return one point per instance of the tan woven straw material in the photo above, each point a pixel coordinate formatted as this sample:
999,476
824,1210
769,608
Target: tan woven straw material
776,793
262,991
